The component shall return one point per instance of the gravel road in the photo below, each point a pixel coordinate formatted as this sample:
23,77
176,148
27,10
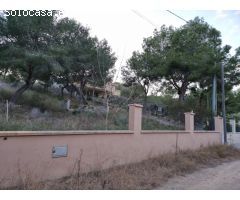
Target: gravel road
222,177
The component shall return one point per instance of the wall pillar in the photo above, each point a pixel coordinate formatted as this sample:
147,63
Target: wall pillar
219,126
233,125
189,121
135,118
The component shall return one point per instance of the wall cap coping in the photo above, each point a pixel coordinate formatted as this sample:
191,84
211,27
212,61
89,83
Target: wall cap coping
136,105
218,117
202,132
94,132
63,133
164,131
191,113
176,131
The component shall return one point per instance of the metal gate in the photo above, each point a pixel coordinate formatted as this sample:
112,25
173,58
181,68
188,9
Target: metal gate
233,138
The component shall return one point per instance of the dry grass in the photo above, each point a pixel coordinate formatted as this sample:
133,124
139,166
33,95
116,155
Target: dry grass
148,174
20,119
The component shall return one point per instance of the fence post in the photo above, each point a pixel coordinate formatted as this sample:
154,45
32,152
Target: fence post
233,125
135,118
189,121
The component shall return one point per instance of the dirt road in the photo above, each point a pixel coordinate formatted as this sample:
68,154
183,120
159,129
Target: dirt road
225,176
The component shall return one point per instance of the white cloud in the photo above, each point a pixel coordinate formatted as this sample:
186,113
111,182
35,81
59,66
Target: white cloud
221,14
237,12
236,28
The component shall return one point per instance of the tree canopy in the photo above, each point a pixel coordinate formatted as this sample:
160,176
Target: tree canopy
47,49
179,57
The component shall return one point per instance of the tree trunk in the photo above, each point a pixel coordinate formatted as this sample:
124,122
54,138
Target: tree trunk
28,83
80,94
62,90
201,99
181,97
181,94
19,92
145,102
182,91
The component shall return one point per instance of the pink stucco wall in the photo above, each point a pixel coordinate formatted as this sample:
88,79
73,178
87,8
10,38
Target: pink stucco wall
30,153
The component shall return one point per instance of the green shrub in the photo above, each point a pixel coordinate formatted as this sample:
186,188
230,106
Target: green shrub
5,94
34,99
176,109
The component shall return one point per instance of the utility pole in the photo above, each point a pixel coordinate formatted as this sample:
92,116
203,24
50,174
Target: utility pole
223,106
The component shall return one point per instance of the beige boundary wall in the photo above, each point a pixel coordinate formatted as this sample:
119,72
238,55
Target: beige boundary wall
30,152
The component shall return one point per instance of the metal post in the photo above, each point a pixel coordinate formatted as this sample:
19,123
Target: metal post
214,100
223,106
214,96
7,111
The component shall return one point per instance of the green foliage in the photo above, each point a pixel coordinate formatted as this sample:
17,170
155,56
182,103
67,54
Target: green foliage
5,94
159,99
233,103
42,101
177,109
119,120
34,99
83,58
48,49
25,47
133,92
11,126
177,58
137,72
24,50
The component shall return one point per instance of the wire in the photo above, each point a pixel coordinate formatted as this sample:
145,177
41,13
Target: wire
177,16
143,17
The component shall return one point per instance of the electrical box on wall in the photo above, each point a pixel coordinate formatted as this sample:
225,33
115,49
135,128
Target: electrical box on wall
59,151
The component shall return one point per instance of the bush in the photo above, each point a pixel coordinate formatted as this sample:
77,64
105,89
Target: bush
134,92
119,120
5,94
34,99
177,109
